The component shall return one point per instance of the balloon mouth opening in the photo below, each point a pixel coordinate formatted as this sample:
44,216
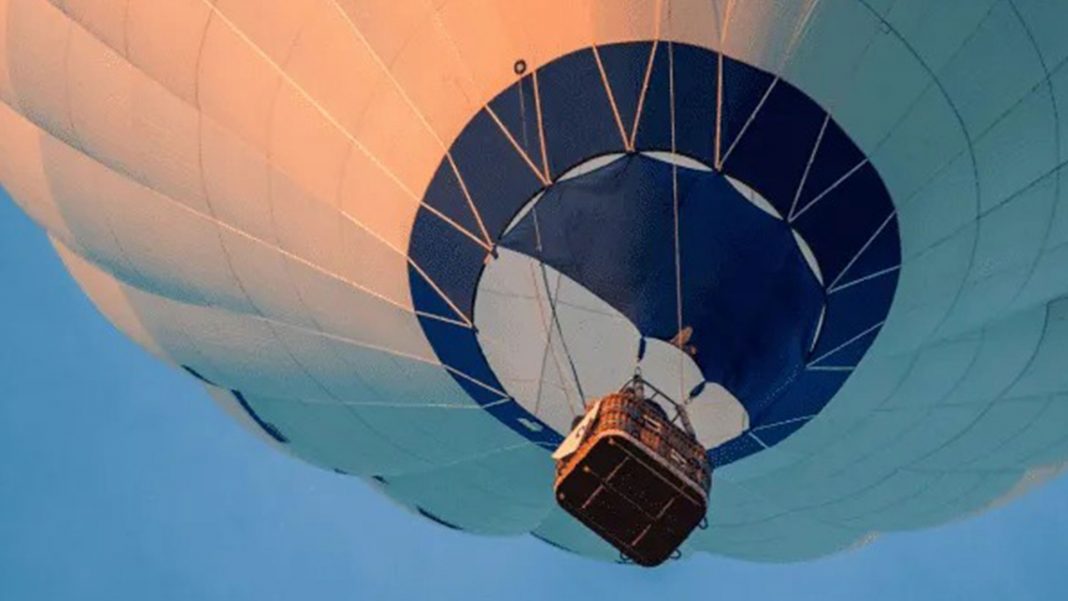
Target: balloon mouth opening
823,244
639,259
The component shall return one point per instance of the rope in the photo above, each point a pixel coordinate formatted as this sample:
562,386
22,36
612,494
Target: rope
548,344
556,322
675,212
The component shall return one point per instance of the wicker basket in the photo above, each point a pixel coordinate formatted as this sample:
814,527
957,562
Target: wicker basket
636,479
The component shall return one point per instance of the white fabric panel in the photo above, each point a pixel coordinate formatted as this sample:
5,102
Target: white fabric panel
505,493
131,124
434,79
1045,373
160,119
174,62
544,30
22,172
328,45
236,84
928,286
561,529
990,430
856,510
514,318
695,22
1040,443
936,31
7,93
880,92
226,401
288,361
932,505
996,66
944,205
308,384
108,296
272,26
1009,242
303,144
198,271
119,220
1007,348
34,45
924,160
479,33
936,371
783,538
106,19
539,361
1043,21
333,437
146,118
825,62
765,32
1019,149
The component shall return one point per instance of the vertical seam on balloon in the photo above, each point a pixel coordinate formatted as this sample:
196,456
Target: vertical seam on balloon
419,114
1019,376
611,98
222,224
964,131
286,266
1057,151
77,145
365,345
243,234
303,261
126,29
200,120
341,129
207,197
269,156
200,117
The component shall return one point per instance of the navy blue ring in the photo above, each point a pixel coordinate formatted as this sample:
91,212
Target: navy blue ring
851,229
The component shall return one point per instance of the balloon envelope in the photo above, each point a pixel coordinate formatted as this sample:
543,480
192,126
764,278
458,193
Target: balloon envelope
407,241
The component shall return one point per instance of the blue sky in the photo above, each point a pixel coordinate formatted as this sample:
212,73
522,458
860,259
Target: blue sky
119,479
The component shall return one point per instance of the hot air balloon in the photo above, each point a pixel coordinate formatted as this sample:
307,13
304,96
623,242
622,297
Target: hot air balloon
408,241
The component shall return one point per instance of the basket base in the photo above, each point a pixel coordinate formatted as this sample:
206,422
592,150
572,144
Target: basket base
623,492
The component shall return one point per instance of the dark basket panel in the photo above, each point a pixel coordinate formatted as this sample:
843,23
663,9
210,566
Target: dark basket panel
637,480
